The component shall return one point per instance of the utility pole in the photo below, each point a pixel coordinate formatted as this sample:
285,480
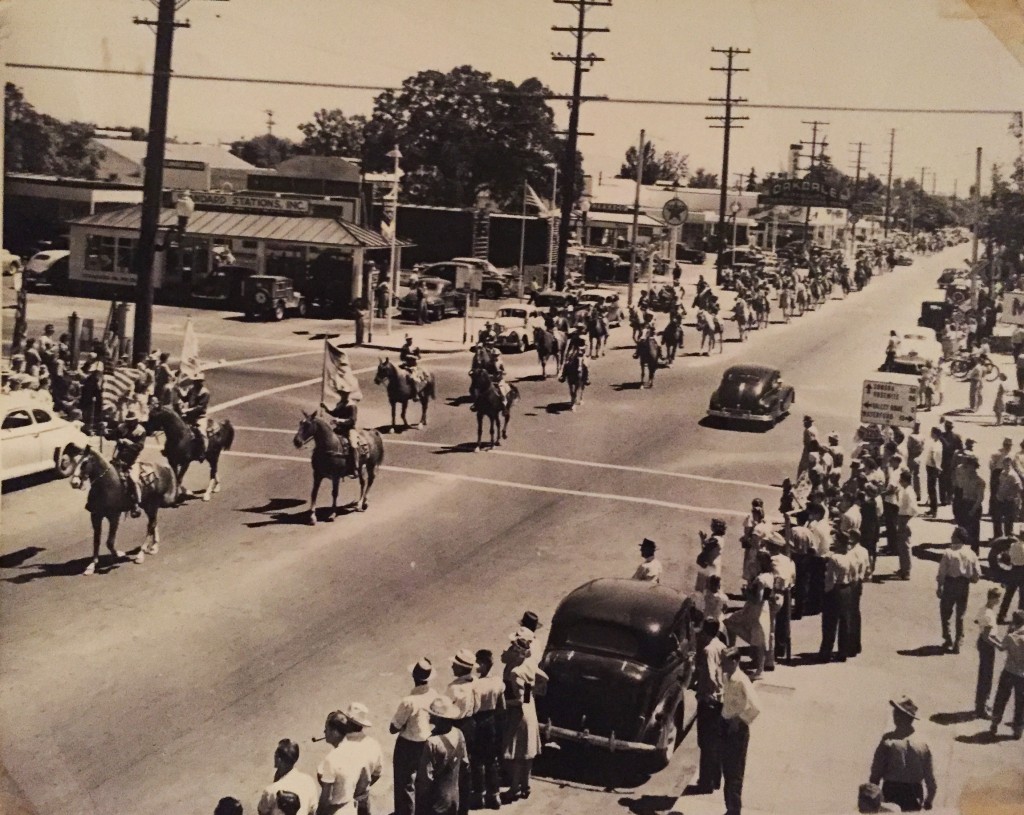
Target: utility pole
270,122
888,183
955,180
636,218
817,149
581,64
728,124
152,188
858,167
920,198
975,227
935,181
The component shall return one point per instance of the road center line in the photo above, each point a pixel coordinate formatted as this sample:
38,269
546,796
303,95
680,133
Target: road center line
555,460
305,383
251,360
494,482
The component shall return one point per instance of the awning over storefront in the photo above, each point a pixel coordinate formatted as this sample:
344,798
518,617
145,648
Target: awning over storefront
250,226
621,218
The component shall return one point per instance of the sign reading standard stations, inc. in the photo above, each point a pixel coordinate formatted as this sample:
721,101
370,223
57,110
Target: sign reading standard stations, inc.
889,403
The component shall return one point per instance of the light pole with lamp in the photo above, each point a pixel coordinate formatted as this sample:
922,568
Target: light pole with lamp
553,166
734,212
395,154
584,209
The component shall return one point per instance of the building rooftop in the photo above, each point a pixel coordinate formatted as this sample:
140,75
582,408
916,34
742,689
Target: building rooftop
217,158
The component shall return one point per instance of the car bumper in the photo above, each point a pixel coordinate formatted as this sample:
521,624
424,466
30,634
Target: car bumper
549,732
509,346
742,415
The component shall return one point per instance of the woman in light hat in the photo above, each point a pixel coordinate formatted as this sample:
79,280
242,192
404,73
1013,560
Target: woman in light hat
522,732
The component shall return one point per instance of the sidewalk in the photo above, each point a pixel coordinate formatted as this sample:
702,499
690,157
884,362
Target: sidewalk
823,721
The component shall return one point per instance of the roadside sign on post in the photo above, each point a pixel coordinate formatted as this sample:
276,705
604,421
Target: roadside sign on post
889,403
1013,308
467,277
674,212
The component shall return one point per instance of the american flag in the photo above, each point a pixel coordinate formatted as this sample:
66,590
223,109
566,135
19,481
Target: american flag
117,384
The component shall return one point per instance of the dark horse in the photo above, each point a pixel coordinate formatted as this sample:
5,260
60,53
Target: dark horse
575,373
649,353
597,329
483,360
181,448
108,499
331,460
549,345
402,390
672,339
489,402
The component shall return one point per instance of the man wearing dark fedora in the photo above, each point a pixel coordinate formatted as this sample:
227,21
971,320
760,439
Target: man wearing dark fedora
903,761
649,569
531,620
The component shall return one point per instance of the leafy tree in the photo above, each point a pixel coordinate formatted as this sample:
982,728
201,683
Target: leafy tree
332,133
668,166
264,151
464,130
703,180
35,142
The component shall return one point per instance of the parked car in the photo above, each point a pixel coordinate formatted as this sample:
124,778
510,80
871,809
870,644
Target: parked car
271,297
609,299
34,439
951,275
47,270
917,348
11,262
512,325
495,284
934,314
619,656
442,300
753,393
687,255
224,285
903,259
547,298
605,267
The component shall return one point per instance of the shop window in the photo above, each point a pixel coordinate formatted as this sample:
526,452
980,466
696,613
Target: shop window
99,253
125,253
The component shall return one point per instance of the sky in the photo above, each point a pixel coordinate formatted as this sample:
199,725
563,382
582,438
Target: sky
877,53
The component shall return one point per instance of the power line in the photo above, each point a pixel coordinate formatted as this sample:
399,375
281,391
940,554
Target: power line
296,83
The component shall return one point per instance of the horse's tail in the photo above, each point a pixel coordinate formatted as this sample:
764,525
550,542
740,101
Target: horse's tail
376,447
227,434
166,486
513,395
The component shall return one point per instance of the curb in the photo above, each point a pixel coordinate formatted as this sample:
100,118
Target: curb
396,348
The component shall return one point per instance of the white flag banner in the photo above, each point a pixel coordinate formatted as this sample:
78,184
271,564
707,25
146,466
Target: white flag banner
189,365
338,377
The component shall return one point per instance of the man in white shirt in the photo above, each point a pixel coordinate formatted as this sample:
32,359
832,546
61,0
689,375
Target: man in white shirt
650,568
933,468
462,692
958,568
906,509
352,767
411,724
288,779
740,706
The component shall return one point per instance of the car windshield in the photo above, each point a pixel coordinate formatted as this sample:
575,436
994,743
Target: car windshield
433,286
605,638
511,312
742,377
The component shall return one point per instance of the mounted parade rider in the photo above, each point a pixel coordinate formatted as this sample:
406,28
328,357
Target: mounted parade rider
195,402
576,351
130,438
487,332
410,359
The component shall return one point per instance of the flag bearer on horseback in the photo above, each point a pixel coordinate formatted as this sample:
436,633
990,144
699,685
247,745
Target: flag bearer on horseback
131,439
575,354
194,405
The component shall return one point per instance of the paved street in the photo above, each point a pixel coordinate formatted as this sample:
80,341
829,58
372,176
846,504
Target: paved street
160,687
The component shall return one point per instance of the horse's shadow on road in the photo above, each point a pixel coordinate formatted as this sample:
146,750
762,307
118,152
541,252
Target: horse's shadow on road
71,568
461,447
276,510
458,401
555,408
385,429
627,386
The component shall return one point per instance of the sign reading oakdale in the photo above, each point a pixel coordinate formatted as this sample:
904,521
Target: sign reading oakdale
889,403
805,192
247,202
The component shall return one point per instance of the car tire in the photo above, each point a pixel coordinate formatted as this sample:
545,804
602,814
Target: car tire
524,346
278,312
491,291
669,738
64,466
300,309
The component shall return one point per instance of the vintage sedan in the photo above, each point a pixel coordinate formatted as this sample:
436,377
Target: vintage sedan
918,349
753,393
513,327
609,299
34,439
619,656
442,300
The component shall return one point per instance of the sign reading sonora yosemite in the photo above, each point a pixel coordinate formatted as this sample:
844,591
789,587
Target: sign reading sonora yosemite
805,192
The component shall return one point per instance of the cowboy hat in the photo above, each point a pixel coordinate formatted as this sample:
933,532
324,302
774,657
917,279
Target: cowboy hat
443,708
647,543
905,705
131,415
359,714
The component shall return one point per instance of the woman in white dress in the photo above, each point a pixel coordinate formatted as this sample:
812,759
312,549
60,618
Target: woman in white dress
523,680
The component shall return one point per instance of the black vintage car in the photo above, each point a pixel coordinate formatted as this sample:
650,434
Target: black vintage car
685,254
752,393
618,659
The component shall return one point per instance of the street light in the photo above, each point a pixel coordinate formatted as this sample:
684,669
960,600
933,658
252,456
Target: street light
395,154
584,209
553,166
735,210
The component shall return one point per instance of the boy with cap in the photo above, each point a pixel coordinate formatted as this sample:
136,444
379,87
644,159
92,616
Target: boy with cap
958,568
650,568
288,781
903,761
411,723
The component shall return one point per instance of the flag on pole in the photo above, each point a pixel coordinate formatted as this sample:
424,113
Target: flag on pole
189,365
338,377
534,200
118,386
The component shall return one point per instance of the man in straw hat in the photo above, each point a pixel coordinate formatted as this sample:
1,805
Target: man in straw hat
353,766
411,723
444,763
903,761
463,694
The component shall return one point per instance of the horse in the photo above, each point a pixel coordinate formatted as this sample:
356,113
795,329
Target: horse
548,344
575,374
672,339
649,353
108,499
740,315
483,360
762,308
710,332
800,299
402,389
786,298
181,449
489,402
331,459
597,329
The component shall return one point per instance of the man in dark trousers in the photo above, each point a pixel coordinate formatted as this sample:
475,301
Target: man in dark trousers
486,759
952,444
837,604
903,762
740,706
411,723
709,705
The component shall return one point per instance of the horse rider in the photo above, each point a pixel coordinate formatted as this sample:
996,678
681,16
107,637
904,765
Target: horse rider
131,439
576,349
641,303
194,404
497,368
408,352
486,331
346,414
416,374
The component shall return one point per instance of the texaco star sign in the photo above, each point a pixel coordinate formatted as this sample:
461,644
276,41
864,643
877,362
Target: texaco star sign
674,212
